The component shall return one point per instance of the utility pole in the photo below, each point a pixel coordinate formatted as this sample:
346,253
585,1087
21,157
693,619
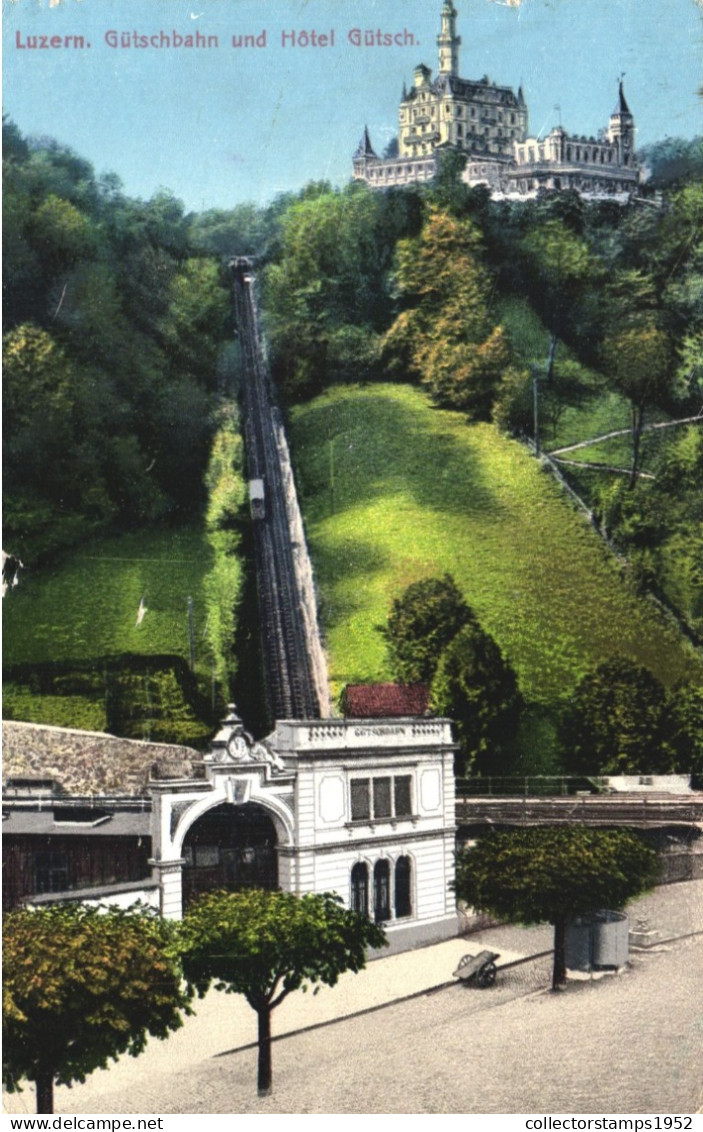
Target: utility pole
535,406
331,475
191,633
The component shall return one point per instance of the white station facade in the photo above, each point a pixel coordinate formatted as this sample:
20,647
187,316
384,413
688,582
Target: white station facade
363,808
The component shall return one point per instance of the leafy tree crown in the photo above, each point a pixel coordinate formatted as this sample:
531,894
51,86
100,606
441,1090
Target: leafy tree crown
551,874
83,985
421,624
265,944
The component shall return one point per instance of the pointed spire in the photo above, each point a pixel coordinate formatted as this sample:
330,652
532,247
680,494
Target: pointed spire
365,149
404,95
520,96
622,107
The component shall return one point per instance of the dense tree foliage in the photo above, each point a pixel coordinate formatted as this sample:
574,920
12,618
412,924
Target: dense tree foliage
421,623
81,986
614,723
445,332
433,637
562,268
326,296
672,161
683,724
113,323
552,875
477,688
264,945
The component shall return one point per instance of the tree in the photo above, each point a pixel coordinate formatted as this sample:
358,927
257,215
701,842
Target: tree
562,267
330,276
446,332
640,361
550,875
613,723
477,688
672,160
422,622
264,945
81,986
684,728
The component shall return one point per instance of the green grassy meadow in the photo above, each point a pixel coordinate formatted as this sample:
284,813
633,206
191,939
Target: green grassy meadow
81,612
86,605
394,490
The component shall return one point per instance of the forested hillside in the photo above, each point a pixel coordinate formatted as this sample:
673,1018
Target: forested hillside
561,320
556,322
123,478
113,322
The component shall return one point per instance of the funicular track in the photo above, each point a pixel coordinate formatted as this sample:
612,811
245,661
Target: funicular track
291,687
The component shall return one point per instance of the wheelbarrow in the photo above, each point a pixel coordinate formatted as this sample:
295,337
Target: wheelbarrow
478,969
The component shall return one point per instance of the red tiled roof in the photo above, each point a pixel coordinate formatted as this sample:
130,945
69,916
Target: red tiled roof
374,701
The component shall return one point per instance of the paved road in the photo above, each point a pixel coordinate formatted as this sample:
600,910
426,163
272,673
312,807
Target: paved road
626,1043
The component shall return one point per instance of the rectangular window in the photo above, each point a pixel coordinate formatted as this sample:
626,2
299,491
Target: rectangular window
403,800
360,799
381,797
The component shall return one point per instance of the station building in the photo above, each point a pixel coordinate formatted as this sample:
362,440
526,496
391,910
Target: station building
361,807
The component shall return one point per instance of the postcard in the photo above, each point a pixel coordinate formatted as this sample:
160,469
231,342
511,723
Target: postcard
352,578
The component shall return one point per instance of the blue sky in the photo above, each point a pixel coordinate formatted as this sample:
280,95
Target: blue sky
223,125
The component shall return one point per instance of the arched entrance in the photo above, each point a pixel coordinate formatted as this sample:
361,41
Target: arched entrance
230,847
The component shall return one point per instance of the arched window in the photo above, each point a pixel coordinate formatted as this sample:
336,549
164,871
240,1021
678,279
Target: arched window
360,889
403,876
381,891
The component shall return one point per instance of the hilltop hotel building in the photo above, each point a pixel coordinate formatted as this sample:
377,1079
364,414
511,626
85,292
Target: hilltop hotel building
489,124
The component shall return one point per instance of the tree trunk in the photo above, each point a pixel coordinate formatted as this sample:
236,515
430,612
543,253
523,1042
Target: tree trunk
559,971
553,343
44,1083
637,426
264,1081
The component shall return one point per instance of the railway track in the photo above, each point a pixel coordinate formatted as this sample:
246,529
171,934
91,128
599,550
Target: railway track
291,687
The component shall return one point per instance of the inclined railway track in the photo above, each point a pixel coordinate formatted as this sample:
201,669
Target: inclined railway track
288,671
